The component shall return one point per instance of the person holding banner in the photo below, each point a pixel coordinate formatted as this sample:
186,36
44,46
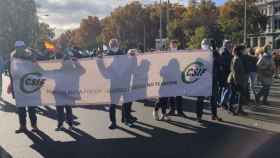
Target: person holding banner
21,53
65,112
176,101
215,82
127,118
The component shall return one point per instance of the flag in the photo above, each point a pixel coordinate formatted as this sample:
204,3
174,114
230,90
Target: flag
50,46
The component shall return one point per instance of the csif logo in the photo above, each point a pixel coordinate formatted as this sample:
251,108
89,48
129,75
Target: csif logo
31,82
193,72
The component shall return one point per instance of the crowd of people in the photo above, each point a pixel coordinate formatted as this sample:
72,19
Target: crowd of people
236,72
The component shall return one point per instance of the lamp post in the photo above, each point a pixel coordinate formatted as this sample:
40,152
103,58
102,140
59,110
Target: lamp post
245,22
160,29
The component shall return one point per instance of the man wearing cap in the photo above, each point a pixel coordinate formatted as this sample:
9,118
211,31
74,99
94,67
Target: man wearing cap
22,54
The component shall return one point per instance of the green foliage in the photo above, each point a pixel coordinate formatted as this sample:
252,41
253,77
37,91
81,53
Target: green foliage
231,19
44,32
199,35
18,21
135,24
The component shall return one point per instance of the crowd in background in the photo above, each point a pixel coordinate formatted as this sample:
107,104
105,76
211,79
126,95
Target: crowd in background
240,76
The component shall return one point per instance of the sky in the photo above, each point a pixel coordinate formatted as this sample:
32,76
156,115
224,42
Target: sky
67,14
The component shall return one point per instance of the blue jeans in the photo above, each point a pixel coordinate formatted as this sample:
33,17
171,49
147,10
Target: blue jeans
225,95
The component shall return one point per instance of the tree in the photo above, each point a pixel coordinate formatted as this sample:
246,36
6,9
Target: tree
127,24
44,33
88,32
176,26
231,19
18,21
199,35
201,15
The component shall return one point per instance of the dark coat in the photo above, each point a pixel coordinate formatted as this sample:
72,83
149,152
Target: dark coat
226,59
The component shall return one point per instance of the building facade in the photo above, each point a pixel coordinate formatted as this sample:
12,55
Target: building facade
271,8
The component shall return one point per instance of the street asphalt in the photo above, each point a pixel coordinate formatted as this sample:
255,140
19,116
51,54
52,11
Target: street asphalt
253,136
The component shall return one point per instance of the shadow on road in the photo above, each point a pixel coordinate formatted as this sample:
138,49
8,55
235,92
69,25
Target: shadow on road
4,153
268,113
222,141
7,107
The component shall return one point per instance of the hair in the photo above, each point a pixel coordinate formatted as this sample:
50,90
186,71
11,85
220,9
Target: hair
266,48
251,51
237,50
259,51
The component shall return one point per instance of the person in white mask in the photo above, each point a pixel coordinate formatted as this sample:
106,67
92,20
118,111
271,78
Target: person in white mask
205,44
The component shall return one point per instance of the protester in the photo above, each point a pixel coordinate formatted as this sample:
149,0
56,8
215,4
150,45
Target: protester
161,103
252,70
248,67
21,53
175,102
65,112
265,70
127,117
238,81
226,57
216,74
126,108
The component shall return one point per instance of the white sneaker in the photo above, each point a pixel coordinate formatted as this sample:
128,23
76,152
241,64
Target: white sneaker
155,115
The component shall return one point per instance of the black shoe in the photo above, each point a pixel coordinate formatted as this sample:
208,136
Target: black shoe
225,106
35,128
130,120
59,128
171,113
265,103
21,129
216,118
133,118
232,111
113,126
129,124
182,114
243,113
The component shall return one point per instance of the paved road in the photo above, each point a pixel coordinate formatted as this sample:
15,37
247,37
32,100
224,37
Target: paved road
255,136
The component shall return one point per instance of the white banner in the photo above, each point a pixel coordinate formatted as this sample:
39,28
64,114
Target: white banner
115,79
